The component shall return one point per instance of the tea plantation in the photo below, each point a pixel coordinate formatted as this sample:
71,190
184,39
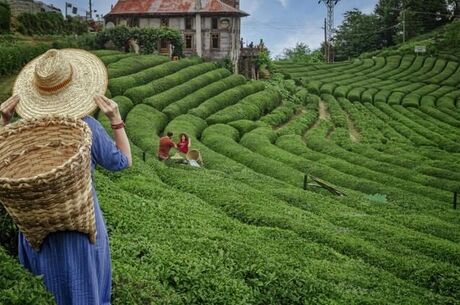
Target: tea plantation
242,230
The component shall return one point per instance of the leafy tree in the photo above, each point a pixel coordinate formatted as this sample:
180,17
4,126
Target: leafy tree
422,16
5,17
358,33
388,13
302,53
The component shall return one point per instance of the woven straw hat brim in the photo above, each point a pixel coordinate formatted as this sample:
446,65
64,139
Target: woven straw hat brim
75,100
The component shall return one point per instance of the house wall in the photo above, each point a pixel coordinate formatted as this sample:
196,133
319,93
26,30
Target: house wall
229,36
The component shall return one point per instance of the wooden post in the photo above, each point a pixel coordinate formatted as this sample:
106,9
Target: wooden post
455,200
305,182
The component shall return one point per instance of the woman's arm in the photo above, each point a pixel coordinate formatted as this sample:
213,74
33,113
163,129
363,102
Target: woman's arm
189,142
110,109
7,109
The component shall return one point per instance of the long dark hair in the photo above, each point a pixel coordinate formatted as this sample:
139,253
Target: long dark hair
183,134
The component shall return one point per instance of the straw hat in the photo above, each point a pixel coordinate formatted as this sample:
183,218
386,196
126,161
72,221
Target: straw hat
60,82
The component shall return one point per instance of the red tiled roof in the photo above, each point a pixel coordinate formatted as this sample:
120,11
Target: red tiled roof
172,7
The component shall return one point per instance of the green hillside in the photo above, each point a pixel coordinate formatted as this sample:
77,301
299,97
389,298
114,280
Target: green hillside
243,230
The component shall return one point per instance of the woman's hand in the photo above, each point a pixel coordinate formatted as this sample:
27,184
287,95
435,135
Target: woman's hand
7,109
110,109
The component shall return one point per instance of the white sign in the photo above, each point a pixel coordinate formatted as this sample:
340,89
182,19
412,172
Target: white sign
420,49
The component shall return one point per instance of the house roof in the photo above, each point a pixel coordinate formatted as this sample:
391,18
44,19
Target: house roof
173,7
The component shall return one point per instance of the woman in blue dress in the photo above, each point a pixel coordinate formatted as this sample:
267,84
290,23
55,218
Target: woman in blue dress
74,270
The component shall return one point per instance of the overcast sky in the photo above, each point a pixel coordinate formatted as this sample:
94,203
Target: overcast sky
281,23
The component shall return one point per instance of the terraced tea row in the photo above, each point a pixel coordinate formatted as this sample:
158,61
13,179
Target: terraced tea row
408,80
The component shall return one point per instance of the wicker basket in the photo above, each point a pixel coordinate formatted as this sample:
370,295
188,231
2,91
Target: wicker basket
194,154
45,177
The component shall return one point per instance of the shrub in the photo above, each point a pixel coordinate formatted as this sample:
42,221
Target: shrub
176,93
251,107
19,287
138,94
119,85
52,23
109,59
134,64
395,98
244,126
198,97
411,100
368,95
382,96
314,87
428,100
355,94
342,91
14,56
147,38
143,124
226,98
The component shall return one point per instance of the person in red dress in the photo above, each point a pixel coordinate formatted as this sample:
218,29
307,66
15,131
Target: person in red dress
165,146
184,143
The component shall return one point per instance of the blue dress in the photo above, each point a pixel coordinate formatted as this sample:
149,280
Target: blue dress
76,271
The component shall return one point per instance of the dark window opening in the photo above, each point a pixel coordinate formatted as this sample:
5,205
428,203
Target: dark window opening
188,23
188,41
164,22
215,23
215,43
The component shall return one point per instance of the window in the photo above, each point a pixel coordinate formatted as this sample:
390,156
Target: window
164,22
215,23
215,41
188,41
188,23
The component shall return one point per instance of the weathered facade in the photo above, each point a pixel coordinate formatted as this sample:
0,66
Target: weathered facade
210,28
23,6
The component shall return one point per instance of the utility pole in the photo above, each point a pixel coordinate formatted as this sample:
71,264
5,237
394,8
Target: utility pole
404,25
326,45
90,10
330,5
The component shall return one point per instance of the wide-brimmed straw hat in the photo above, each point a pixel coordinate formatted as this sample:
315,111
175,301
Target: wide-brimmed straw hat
60,82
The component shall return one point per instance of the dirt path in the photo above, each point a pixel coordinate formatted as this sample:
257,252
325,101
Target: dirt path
354,133
323,116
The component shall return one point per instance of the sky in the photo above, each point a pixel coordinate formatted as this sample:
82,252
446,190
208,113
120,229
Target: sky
281,23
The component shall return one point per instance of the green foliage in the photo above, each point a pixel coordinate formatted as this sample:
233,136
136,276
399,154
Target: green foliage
199,96
119,85
134,64
19,287
14,56
251,107
50,23
5,17
226,98
302,53
147,38
359,33
138,94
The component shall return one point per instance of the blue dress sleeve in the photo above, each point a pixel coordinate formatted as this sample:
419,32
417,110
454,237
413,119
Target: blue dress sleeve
103,150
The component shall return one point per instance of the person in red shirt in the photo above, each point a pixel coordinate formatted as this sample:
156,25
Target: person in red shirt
165,146
184,143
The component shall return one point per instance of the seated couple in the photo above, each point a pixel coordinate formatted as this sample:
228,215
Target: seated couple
166,143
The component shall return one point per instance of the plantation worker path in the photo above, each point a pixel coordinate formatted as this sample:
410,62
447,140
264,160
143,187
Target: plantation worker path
323,115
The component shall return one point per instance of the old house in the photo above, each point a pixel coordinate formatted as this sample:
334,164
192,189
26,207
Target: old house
210,28
30,6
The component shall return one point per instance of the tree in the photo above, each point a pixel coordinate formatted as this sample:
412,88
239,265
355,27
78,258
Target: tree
358,33
302,53
422,16
388,13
